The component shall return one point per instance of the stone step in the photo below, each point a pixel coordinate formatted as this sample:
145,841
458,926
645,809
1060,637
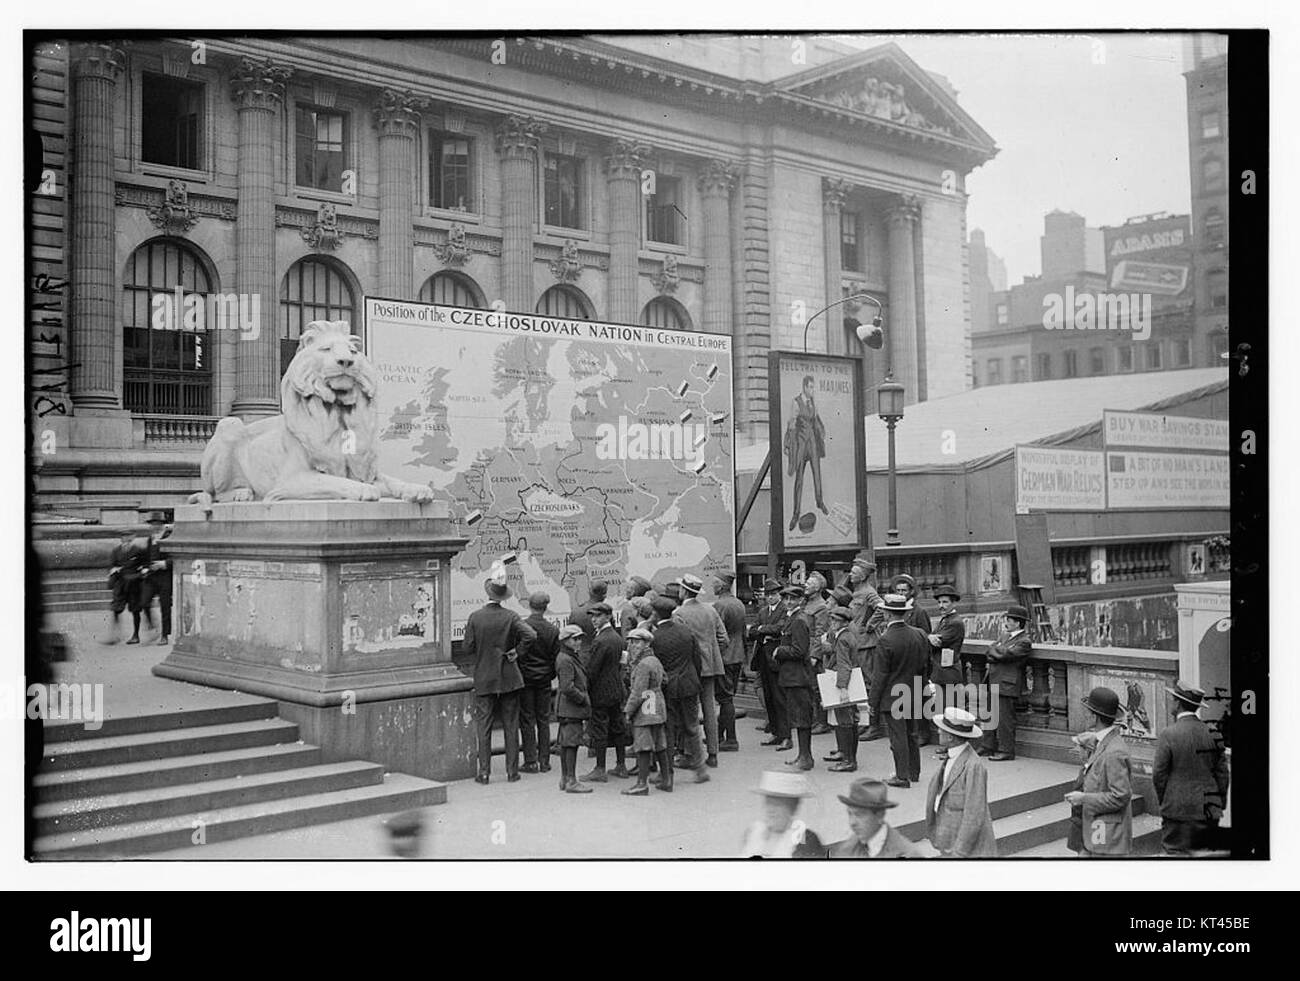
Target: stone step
76,754
1146,841
157,722
119,778
1028,828
398,792
1004,807
85,813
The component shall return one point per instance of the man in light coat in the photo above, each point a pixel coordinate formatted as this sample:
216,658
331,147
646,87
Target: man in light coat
711,635
957,818
1107,783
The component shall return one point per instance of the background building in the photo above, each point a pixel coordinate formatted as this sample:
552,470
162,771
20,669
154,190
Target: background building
732,185
1207,142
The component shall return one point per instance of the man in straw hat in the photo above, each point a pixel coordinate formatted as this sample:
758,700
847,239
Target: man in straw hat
1190,774
1107,782
1006,663
868,804
768,632
572,706
777,834
711,635
957,818
901,659
732,614
494,639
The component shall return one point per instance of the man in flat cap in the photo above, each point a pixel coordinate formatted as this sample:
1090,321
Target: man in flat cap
679,653
494,640
572,706
868,805
605,686
732,614
1006,665
767,633
538,669
711,635
1190,773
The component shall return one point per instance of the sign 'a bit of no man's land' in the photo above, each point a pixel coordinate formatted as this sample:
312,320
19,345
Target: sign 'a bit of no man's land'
591,451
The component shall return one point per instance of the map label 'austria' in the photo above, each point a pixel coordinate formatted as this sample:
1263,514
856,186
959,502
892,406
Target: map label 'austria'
657,441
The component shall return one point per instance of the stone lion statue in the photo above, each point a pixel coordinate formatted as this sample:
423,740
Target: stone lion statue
322,446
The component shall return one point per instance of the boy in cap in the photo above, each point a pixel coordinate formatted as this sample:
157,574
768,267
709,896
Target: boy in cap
957,817
732,614
707,627
572,706
868,803
605,686
494,639
1190,774
777,834
1107,782
538,669
646,711
843,659
1006,662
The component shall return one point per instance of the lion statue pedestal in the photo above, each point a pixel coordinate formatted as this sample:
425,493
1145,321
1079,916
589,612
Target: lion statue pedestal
305,575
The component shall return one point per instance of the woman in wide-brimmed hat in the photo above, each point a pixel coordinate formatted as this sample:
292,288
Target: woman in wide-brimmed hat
777,834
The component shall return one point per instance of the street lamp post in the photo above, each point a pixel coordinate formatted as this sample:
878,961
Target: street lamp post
889,406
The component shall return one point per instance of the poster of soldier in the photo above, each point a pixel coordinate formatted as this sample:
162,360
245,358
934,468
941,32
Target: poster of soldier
474,450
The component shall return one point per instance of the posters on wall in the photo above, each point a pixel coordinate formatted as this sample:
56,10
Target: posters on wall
1167,480
1150,430
1054,478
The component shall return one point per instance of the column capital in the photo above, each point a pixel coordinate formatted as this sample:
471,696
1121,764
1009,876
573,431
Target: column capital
258,84
905,208
717,177
99,59
519,136
834,192
625,158
397,113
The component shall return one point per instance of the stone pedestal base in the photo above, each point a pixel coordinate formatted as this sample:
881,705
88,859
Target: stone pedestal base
341,611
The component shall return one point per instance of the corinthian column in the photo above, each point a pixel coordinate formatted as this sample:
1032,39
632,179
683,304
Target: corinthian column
397,117
833,195
901,326
715,186
623,181
258,90
517,144
95,68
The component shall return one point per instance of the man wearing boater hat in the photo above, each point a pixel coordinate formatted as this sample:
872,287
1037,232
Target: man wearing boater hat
494,639
1006,663
868,803
957,817
901,658
1107,782
1190,775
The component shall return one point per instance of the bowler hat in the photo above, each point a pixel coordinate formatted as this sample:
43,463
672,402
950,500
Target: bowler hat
570,630
895,603
959,722
1018,613
841,613
663,604
946,590
774,784
691,584
1103,701
539,601
868,793
1187,694
772,585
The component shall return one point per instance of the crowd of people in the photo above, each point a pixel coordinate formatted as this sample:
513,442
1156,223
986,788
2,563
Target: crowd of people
655,681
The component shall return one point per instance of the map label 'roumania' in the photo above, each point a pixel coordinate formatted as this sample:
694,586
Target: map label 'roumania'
653,441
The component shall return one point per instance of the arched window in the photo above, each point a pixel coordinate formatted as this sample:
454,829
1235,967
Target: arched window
664,311
166,355
453,289
313,289
566,301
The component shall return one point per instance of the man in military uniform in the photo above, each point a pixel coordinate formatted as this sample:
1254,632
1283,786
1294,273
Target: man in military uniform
865,603
794,674
818,614
805,446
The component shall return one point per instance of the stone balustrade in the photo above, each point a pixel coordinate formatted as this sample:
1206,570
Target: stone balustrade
168,430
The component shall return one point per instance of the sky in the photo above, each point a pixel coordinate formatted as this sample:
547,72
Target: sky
1098,131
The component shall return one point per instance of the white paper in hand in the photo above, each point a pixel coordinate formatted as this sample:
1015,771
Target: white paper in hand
831,695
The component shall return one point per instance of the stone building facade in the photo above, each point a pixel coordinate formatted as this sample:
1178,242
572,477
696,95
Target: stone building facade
202,198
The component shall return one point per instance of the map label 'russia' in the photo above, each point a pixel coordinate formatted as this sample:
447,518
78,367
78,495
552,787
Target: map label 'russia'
655,441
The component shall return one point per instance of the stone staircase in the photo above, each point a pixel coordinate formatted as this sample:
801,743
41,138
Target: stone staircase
76,590
175,780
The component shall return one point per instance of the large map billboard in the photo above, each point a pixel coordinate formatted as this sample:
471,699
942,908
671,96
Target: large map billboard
590,451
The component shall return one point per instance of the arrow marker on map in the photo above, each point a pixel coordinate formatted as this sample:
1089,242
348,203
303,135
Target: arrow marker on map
681,389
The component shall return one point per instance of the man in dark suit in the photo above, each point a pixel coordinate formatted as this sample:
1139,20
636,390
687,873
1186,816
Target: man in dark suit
794,673
946,638
1190,773
677,650
901,658
581,617
1106,792
605,685
768,632
732,613
158,581
868,802
129,566
538,668
1006,665
494,639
